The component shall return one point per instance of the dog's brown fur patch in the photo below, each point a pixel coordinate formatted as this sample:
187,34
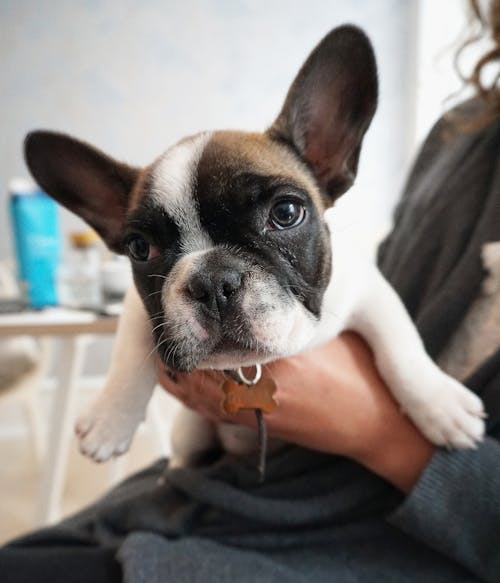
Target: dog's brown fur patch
259,154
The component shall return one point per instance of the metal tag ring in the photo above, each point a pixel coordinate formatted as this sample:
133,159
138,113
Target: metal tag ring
255,380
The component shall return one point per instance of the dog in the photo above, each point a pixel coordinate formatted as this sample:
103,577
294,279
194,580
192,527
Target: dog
235,265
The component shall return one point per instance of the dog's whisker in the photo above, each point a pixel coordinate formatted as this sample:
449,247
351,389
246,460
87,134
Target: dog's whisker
158,326
155,348
158,275
160,291
160,344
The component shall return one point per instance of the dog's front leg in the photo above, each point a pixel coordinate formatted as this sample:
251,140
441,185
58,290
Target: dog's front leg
192,436
108,426
443,409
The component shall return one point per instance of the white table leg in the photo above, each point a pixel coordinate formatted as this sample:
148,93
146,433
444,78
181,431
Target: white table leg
37,428
71,355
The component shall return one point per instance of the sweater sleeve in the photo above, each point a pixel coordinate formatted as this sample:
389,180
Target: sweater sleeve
432,258
455,508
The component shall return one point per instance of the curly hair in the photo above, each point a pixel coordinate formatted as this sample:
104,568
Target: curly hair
483,23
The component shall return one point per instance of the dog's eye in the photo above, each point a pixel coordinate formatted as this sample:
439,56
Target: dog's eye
140,250
286,214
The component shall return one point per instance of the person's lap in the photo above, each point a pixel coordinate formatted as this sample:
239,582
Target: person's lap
217,525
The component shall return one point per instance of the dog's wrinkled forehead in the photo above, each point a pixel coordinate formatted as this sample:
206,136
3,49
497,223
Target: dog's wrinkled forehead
212,174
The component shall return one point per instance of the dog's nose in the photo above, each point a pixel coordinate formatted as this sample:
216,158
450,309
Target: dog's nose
214,290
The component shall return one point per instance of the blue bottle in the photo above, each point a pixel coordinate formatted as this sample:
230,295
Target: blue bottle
38,243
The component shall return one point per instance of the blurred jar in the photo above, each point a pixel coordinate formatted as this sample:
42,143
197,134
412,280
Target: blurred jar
116,278
79,276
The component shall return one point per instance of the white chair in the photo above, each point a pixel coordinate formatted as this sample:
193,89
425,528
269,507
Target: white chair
24,392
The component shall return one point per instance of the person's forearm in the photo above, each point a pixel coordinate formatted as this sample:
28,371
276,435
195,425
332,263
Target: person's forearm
400,454
454,508
346,410
386,442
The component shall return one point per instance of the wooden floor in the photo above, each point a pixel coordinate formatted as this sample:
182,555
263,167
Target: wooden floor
20,481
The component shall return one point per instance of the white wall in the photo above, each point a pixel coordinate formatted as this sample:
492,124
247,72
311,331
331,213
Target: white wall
442,27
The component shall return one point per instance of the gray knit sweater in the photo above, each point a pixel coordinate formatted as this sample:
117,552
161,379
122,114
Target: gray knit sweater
321,518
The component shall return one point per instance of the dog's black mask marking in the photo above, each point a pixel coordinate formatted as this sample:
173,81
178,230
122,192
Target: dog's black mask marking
233,210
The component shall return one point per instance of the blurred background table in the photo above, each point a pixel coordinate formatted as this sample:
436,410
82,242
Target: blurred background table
74,328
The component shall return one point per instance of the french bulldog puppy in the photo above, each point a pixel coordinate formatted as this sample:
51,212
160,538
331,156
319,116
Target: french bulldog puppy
234,263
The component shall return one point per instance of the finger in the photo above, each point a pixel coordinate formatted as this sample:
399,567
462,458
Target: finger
198,390
167,379
202,391
173,389
171,375
204,385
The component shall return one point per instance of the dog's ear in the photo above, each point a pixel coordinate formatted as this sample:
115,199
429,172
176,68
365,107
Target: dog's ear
330,106
84,180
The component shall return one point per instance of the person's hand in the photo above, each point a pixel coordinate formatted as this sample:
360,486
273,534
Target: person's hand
330,399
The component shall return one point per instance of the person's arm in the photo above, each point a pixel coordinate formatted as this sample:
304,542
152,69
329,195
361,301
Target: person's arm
453,497
455,508
333,400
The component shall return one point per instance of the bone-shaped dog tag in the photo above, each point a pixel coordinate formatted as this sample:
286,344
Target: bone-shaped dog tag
241,397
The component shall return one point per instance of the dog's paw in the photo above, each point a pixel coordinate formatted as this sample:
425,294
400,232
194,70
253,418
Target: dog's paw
105,433
449,415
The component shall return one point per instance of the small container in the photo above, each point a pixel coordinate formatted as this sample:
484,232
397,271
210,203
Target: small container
116,278
79,276
37,235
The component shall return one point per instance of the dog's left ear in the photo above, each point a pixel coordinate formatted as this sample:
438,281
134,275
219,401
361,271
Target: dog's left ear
330,106
84,180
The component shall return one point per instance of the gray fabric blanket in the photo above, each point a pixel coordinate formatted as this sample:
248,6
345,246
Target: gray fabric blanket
320,518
